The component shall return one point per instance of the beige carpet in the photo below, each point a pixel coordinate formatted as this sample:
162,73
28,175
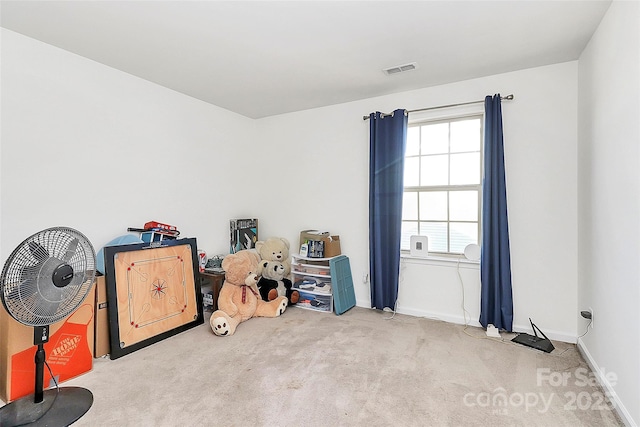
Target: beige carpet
317,369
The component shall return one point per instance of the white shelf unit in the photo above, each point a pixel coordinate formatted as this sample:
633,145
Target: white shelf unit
311,277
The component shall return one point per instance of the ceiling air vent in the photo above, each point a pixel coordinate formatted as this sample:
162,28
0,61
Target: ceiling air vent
401,68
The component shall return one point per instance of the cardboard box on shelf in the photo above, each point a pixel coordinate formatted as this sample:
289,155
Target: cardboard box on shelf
68,351
329,245
332,246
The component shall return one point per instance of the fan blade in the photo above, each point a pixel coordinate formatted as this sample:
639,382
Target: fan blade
45,309
38,251
71,251
29,273
19,295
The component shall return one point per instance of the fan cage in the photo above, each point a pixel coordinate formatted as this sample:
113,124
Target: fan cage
27,288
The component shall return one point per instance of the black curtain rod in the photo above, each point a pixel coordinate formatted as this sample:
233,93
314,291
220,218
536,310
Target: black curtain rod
503,98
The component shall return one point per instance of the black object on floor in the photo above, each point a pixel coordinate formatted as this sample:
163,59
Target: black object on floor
536,342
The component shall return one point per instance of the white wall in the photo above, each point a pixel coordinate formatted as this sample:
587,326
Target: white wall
325,151
90,147
609,202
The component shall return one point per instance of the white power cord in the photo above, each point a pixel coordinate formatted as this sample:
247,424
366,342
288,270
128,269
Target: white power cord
395,305
588,326
493,334
464,309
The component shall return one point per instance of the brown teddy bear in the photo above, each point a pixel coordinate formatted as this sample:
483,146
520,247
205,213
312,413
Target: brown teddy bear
238,300
275,249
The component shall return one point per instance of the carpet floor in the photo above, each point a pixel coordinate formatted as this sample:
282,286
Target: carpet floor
363,368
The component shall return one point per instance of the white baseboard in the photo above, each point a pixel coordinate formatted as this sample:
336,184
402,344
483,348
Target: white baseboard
604,382
429,315
459,320
445,317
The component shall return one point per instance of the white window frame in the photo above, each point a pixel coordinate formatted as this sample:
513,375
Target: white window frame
447,115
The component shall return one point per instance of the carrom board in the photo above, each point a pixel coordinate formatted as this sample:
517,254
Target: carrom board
152,292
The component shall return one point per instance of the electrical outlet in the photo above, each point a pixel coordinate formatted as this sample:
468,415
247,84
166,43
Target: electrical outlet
588,314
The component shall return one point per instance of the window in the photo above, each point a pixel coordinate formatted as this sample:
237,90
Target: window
442,183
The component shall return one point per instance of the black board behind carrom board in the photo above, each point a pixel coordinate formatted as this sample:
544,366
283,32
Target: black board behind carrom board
152,291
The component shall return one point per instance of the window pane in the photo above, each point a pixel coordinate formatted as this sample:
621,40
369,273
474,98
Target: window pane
435,138
413,141
462,234
409,228
411,171
442,173
410,206
465,135
434,170
465,168
463,206
437,233
433,205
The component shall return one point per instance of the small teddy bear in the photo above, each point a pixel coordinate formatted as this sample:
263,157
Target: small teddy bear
272,282
275,249
238,300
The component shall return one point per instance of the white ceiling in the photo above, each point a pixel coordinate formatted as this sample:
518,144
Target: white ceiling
264,58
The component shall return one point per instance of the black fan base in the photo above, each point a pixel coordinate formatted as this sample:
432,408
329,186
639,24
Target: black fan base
60,407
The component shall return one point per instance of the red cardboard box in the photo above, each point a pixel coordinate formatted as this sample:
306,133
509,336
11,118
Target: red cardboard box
68,352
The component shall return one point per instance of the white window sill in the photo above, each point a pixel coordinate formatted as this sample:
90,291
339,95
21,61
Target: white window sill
444,261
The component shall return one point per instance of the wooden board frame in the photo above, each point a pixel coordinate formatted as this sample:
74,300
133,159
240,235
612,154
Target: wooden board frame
153,292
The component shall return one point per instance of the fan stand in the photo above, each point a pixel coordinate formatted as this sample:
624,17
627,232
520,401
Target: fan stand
55,407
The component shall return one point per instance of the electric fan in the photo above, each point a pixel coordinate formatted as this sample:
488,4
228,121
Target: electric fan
44,280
